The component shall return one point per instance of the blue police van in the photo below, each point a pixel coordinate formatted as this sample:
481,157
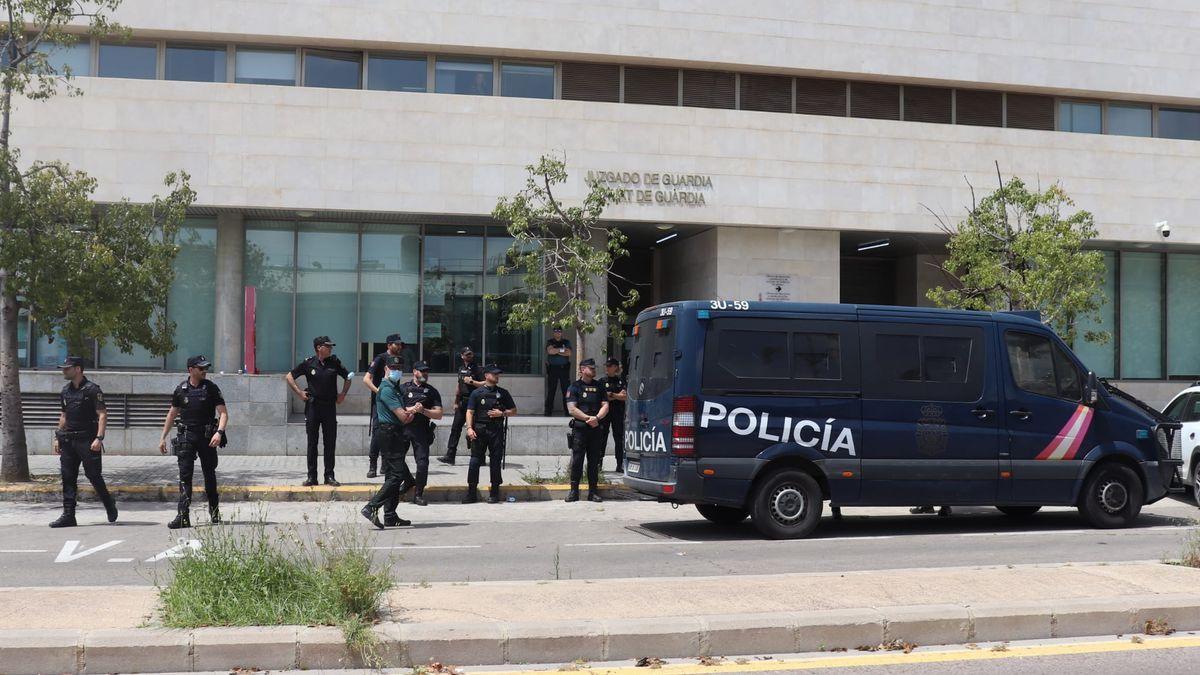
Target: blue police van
767,410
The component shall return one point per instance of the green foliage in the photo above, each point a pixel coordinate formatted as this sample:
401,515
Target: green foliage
34,27
1019,249
560,251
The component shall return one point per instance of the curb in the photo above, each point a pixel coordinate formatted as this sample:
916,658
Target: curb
404,645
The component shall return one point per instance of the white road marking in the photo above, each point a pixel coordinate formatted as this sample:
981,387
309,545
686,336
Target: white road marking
410,548
638,543
1137,530
120,560
176,551
68,554
22,550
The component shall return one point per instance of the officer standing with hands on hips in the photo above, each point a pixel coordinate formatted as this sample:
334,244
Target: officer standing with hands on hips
321,399
373,378
488,410
391,415
424,403
558,369
470,378
79,439
614,386
200,408
588,406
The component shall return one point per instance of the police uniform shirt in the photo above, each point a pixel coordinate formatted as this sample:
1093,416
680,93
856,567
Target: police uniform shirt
197,405
412,393
614,385
468,370
387,401
82,405
587,397
488,398
322,377
557,359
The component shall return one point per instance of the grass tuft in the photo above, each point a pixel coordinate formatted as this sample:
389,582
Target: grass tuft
1191,549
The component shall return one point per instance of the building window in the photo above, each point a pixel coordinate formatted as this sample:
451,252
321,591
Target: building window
1141,315
265,66
75,59
397,73
453,294
526,80
1179,123
269,274
326,286
456,76
193,297
1130,120
1079,117
23,337
138,62
979,108
195,64
1101,358
1183,313
390,268
516,351
334,70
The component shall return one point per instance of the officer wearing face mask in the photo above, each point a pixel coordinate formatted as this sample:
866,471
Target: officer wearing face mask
392,415
423,402
373,378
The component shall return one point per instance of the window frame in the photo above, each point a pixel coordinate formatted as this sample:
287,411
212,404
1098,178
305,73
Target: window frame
157,45
973,387
451,58
408,56
1058,111
322,51
554,75
221,47
1055,345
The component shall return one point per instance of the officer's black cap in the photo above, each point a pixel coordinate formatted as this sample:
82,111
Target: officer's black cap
587,362
493,370
421,366
613,362
71,361
198,361
466,350
557,329
394,361
323,340
394,338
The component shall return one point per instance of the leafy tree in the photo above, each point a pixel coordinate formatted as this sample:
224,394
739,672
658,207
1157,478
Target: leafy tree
80,269
1020,249
561,251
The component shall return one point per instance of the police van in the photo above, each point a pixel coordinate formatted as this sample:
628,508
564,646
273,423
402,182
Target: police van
768,410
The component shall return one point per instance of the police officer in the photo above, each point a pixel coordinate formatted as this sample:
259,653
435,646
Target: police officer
79,439
373,377
424,403
587,404
614,387
488,408
558,369
391,416
470,378
200,407
321,399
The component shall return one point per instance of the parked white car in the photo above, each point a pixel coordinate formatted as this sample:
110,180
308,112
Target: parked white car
1185,408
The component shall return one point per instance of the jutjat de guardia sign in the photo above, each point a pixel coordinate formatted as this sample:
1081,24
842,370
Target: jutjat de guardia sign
658,188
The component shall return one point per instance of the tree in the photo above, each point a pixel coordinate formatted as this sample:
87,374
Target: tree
1019,249
562,252
79,269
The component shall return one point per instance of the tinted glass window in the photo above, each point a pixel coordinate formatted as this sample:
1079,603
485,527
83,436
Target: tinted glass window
1192,412
139,62
1177,407
900,356
1041,367
463,77
336,70
752,354
195,64
762,356
816,356
77,57
396,73
266,66
1079,117
912,362
652,362
946,359
1176,123
1130,120
527,81
1070,384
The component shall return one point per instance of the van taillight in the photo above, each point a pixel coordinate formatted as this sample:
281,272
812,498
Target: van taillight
683,427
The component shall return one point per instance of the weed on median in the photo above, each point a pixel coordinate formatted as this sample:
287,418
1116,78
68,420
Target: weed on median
1191,549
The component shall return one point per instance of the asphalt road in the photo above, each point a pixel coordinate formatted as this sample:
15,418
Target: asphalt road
545,540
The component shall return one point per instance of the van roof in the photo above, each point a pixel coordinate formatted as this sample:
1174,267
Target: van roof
1021,318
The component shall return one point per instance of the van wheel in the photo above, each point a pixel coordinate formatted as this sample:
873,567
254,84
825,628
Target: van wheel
1112,496
722,515
787,505
1019,511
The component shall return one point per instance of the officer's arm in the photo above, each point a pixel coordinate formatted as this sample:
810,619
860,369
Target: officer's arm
62,421
603,411
551,349
567,351
403,414
470,418
222,417
434,413
103,414
574,411
370,382
291,383
171,414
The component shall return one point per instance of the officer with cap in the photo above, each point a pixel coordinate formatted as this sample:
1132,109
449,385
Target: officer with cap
558,369
488,409
588,406
373,378
200,408
79,439
391,416
424,403
321,399
470,378
614,386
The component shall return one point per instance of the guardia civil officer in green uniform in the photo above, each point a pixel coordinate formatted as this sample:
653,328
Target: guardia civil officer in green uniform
372,378
425,404
321,399
199,406
488,408
79,439
391,416
587,404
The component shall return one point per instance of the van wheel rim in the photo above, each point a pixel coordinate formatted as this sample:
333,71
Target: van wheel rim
1113,496
788,504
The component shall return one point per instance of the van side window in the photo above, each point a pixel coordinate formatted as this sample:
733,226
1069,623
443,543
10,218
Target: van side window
766,356
1041,367
816,356
753,354
916,362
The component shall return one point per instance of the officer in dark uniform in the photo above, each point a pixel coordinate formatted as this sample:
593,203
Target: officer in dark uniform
614,386
558,369
470,378
588,406
391,416
79,439
373,378
321,399
199,407
488,409
424,403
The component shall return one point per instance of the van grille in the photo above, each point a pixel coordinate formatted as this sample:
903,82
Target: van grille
1170,442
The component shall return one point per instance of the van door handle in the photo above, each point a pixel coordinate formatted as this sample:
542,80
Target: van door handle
1019,414
982,413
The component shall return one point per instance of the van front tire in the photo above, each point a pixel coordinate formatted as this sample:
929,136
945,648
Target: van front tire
787,504
1112,496
722,515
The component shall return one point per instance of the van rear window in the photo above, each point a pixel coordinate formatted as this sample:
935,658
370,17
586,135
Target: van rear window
651,362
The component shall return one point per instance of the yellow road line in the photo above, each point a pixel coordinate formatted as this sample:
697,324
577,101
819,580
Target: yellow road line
895,658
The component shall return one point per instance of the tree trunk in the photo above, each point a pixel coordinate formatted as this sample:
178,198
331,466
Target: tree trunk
14,454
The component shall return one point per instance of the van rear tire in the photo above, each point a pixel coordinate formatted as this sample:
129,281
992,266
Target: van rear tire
722,515
787,504
1112,496
1018,511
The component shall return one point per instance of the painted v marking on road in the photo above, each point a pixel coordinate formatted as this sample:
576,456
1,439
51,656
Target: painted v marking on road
68,554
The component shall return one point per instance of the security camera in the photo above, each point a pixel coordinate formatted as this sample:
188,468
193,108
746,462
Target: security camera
1164,228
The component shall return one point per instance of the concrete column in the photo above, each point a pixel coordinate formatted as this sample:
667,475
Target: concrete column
759,263
228,327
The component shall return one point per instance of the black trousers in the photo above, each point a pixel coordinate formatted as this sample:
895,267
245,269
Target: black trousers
320,417
489,441
196,445
372,446
587,443
76,450
392,448
419,440
460,419
616,422
557,381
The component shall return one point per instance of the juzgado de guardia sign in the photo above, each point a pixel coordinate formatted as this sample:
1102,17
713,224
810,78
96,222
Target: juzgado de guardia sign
658,188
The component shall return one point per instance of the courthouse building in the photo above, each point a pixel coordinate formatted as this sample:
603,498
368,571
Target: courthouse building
346,156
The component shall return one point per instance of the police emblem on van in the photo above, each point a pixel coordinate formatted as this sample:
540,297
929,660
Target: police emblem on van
932,433
805,433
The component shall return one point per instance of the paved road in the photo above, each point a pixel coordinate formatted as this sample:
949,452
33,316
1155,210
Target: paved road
542,540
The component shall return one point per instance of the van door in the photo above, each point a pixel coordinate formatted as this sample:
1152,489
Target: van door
651,387
931,433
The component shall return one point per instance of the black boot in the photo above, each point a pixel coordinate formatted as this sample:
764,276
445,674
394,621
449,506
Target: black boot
67,519
472,494
393,520
332,482
419,498
214,515
494,495
110,507
594,495
446,459
371,473
182,520
573,495
372,515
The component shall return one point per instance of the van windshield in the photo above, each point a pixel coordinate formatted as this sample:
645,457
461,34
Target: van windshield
652,362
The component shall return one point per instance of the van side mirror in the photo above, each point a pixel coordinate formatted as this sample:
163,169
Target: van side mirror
1091,389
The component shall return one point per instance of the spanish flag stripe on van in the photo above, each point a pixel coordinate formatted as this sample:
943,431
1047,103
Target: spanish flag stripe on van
1068,439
